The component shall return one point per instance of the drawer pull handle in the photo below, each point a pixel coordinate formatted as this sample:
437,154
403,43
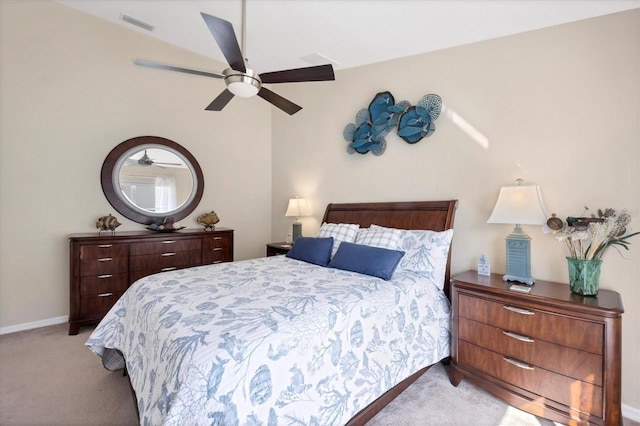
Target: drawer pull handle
518,310
167,254
105,245
217,249
105,276
518,336
105,294
168,242
517,363
170,268
105,259
217,238
217,261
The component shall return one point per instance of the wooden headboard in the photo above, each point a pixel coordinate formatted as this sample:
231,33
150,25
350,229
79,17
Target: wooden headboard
433,215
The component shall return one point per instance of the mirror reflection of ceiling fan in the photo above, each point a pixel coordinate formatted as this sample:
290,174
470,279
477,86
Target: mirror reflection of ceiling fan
241,80
146,161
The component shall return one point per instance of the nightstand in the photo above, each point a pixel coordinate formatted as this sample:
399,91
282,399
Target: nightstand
550,352
275,249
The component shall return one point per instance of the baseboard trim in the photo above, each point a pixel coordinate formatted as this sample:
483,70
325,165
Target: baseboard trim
32,325
630,413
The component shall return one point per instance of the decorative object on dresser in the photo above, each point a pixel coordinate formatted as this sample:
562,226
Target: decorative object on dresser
550,352
208,220
168,224
107,223
169,184
297,208
519,205
103,267
588,239
276,249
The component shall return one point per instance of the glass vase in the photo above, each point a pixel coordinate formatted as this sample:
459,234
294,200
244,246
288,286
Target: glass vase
584,276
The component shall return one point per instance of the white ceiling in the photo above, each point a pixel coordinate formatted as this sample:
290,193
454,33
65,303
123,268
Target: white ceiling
349,32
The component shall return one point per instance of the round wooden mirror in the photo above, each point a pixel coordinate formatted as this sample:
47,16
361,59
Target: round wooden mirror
148,178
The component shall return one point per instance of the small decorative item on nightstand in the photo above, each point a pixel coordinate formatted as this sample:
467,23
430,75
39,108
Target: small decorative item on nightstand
483,267
276,249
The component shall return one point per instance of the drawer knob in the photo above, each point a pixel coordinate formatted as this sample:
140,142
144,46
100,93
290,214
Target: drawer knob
517,363
167,254
105,294
105,259
518,336
518,310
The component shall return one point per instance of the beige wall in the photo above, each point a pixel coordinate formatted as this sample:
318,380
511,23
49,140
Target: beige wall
70,94
559,108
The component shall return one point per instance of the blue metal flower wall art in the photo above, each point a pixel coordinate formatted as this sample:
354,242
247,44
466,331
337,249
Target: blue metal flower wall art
413,123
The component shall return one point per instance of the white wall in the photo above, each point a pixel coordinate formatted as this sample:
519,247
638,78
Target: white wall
70,94
559,108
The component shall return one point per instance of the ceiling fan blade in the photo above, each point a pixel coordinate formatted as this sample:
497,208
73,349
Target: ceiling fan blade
277,100
221,101
316,73
223,32
150,64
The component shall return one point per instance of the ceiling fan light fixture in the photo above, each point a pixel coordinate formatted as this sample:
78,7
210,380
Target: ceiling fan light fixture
244,85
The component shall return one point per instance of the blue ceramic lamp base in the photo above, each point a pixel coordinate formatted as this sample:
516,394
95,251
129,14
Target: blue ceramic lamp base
518,257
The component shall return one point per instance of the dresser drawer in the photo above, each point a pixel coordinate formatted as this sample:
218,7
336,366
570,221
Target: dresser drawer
165,246
566,331
105,283
98,304
103,265
585,397
158,262
217,249
570,362
94,251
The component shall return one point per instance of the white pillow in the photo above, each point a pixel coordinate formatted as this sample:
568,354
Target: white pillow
383,238
340,232
425,252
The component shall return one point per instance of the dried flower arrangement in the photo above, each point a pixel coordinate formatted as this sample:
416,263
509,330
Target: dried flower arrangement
591,237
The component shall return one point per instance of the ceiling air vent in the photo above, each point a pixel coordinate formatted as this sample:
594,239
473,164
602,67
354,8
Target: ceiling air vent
138,23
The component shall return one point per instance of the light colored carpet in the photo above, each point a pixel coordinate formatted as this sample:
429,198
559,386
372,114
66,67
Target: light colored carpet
50,378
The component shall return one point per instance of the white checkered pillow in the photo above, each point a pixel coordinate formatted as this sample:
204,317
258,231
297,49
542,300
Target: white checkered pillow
384,238
425,252
340,232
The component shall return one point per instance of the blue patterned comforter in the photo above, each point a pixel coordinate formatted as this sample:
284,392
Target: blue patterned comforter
270,341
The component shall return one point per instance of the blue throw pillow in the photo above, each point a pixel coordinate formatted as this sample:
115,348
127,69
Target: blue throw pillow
375,261
312,250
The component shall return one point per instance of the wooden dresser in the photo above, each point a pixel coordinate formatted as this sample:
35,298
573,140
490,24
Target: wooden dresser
104,266
549,352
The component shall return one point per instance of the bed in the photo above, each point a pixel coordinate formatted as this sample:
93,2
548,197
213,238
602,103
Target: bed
280,341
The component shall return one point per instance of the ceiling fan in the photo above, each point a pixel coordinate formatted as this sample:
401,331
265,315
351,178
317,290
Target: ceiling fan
241,80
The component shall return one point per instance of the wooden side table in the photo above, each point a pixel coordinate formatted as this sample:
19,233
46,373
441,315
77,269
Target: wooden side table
276,249
549,352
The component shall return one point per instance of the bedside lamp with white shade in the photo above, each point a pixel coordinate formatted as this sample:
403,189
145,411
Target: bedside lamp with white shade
519,205
297,208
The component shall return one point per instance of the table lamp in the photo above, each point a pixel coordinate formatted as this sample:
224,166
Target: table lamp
297,207
519,205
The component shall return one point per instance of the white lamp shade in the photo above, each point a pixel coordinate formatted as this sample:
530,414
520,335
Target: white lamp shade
519,205
297,207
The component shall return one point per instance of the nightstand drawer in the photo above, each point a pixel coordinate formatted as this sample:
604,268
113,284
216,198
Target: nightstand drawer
580,365
572,332
579,395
